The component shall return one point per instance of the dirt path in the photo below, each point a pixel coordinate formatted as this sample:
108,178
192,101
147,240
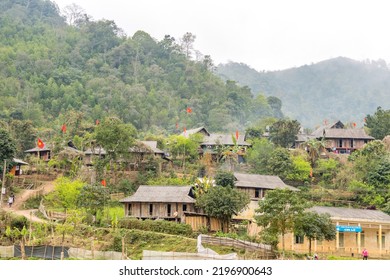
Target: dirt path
23,196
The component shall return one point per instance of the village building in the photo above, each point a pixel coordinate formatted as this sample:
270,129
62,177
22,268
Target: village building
43,154
342,140
356,229
17,168
256,186
160,202
92,154
212,142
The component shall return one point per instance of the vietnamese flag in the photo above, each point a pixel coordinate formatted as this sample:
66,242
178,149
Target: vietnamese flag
189,110
103,183
40,144
237,135
63,128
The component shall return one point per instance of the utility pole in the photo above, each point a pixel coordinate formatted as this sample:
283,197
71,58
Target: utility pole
3,183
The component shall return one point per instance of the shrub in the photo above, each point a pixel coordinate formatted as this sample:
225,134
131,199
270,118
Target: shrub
157,226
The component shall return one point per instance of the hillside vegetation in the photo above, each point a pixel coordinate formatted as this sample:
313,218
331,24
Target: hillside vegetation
334,89
56,69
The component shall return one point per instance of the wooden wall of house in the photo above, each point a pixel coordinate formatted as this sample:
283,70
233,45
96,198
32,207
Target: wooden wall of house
252,192
346,143
159,210
199,222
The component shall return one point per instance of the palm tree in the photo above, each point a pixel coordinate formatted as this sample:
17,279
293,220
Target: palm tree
315,148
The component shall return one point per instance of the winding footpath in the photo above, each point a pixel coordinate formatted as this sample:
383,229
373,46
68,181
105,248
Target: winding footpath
23,196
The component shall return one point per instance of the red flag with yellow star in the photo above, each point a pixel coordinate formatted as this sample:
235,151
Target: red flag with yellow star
40,144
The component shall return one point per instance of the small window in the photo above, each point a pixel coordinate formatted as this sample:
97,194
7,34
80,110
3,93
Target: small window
340,143
362,243
169,210
257,193
150,209
184,207
351,143
341,239
383,240
299,239
129,210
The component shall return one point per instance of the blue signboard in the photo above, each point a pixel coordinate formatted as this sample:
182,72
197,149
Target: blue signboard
349,228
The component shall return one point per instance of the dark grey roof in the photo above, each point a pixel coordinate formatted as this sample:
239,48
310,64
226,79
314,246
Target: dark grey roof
319,131
153,145
260,181
224,139
304,137
349,133
350,214
47,147
19,161
161,194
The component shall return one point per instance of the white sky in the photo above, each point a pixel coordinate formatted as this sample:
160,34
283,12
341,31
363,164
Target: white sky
264,34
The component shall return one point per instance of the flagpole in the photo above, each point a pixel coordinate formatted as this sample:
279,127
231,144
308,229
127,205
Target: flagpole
3,183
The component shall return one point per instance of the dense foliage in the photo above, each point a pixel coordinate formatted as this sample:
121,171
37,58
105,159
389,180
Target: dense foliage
328,90
74,70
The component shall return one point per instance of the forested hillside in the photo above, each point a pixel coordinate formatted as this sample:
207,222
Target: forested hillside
335,89
56,69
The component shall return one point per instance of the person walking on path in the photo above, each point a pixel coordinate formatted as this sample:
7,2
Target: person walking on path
365,254
11,200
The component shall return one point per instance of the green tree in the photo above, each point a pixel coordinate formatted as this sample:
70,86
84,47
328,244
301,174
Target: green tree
315,227
284,132
7,149
259,154
314,148
224,179
65,193
277,213
222,203
280,162
93,198
300,170
379,123
115,137
25,135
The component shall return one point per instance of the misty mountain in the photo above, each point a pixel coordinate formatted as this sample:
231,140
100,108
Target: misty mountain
334,89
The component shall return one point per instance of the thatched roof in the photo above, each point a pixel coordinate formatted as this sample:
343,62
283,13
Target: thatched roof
169,194
350,214
260,181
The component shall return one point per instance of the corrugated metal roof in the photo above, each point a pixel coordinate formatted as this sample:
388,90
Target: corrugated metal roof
161,194
260,181
340,213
